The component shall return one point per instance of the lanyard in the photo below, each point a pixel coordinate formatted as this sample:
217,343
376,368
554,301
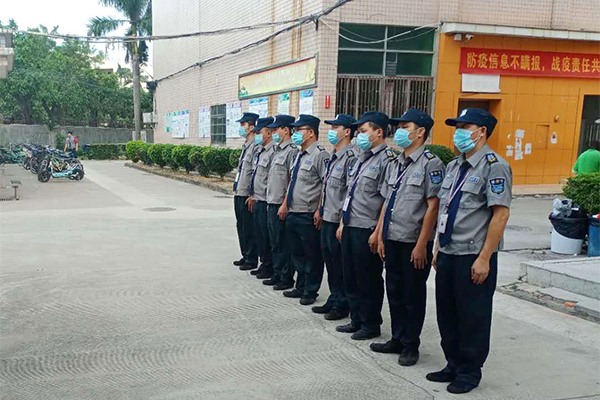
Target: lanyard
454,188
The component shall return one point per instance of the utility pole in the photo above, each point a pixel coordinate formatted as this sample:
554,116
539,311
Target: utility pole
137,106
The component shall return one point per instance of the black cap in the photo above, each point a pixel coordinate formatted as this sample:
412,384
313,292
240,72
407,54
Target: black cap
377,117
413,115
477,116
282,120
262,123
344,120
307,120
249,117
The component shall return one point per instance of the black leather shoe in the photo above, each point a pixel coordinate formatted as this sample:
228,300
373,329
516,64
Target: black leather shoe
264,275
324,309
247,267
364,335
408,357
336,314
271,282
307,301
441,376
459,387
293,294
389,347
239,262
348,328
256,271
283,286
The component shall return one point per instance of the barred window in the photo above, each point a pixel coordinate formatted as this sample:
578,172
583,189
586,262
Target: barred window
218,124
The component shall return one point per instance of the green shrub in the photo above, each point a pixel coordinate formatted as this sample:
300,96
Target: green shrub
234,158
217,160
181,155
155,153
196,159
584,190
110,151
444,153
132,150
60,141
143,153
167,154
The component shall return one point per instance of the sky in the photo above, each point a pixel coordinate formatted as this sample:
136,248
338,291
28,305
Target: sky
71,16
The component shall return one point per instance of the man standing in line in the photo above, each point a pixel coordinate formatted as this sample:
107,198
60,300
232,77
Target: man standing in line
474,208
406,230
257,202
302,202
279,179
334,192
357,231
241,191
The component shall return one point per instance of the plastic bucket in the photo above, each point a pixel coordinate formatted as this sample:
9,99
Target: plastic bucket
594,238
563,245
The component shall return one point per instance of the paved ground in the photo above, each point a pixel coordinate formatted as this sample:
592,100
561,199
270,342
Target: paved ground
102,299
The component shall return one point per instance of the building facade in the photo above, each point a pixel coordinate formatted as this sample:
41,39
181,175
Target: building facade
7,54
387,55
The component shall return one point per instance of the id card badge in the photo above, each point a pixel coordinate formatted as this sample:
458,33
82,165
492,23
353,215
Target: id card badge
237,176
346,204
442,223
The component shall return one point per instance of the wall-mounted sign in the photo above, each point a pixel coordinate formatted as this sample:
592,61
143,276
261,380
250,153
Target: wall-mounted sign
178,124
294,75
529,63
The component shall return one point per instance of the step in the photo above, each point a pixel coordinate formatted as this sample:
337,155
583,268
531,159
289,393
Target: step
580,275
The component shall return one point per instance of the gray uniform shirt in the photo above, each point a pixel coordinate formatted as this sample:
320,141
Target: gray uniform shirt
421,181
307,190
280,172
367,199
262,165
335,184
244,176
487,183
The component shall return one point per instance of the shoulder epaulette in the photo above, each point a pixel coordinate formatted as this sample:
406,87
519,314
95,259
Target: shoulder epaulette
320,147
491,158
389,153
350,153
429,155
293,146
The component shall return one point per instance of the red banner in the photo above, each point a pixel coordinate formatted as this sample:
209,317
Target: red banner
529,63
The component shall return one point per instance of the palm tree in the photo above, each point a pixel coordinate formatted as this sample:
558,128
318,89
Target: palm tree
138,14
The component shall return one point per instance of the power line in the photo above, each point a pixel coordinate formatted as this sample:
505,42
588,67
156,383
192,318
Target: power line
386,39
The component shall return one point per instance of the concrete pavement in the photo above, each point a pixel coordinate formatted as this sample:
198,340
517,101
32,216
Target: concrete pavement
105,294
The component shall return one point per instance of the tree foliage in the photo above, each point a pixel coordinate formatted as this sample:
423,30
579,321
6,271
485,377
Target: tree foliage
61,84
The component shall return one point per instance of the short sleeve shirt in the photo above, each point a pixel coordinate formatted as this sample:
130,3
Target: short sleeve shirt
280,172
335,184
421,181
245,175
588,162
367,198
262,165
307,189
488,183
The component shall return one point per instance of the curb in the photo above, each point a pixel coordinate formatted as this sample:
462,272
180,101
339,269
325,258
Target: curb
205,185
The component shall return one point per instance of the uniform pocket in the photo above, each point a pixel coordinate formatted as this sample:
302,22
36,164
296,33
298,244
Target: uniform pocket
472,195
414,189
370,180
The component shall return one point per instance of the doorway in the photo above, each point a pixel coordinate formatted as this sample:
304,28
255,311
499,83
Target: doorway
590,122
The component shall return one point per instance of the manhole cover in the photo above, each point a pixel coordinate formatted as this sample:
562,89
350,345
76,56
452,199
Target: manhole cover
159,209
518,228
222,197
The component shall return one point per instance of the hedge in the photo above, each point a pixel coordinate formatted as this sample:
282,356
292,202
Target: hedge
155,154
584,190
106,151
444,153
196,159
180,155
217,160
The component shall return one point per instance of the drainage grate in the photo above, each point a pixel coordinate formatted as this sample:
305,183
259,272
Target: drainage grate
518,228
7,198
223,197
159,209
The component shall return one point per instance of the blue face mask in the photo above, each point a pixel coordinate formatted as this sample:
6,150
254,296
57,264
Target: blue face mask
463,141
242,132
363,142
276,138
333,138
258,139
298,138
401,138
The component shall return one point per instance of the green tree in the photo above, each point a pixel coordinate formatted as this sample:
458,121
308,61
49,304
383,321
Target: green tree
138,14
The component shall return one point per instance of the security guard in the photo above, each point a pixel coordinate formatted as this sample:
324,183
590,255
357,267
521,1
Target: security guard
279,179
335,188
360,214
406,232
241,191
302,202
257,202
474,209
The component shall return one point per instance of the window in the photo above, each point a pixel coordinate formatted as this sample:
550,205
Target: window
397,53
217,124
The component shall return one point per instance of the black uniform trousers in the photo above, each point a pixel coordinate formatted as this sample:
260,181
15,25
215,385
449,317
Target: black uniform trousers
245,230
263,244
464,314
406,291
303,240
282,270
362,279
332,255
